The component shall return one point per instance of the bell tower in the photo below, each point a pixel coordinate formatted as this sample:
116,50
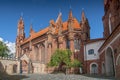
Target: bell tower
20,36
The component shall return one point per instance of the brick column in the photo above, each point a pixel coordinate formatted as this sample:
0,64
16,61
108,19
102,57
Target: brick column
60,40
71,38
72,45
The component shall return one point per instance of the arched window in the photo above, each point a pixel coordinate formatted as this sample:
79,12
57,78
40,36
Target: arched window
91,51
77,44
94,69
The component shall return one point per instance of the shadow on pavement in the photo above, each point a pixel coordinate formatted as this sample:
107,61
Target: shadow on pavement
99,76
12,77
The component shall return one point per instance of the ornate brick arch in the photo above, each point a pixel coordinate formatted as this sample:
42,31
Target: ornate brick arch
93,70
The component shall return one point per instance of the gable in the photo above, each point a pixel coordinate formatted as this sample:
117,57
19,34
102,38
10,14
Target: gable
24,57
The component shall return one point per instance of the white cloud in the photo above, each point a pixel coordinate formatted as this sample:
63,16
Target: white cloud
1,39
10,45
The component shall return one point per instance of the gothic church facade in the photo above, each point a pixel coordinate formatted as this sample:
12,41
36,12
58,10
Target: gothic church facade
35,51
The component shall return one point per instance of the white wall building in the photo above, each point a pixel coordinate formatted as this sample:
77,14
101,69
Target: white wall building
91,55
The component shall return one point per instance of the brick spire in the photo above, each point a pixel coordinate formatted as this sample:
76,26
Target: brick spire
20,27
70,17
83,17
59,23
31,30
21,23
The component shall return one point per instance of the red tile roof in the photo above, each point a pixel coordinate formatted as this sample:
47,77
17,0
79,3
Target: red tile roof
76,25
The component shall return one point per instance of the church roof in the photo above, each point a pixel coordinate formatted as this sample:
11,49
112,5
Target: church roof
76,25
36,34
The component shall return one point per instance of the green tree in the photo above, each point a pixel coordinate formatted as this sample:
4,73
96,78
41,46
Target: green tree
63,57
59,57
3,49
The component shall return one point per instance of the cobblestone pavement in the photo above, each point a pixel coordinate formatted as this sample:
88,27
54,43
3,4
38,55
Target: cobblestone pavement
63,77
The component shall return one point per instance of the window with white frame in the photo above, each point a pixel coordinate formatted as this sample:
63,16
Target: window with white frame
91,51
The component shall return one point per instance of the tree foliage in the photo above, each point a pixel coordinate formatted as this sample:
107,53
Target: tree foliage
3,49
76,63
63,57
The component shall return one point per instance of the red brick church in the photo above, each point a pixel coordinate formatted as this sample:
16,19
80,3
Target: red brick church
39,46
99,56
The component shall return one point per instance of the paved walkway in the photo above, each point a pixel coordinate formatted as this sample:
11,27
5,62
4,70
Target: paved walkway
63,77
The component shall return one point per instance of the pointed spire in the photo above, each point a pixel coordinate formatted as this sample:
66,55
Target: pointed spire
59,23
21,22
59,18
70,17
31,29
21,17
20,31
83,17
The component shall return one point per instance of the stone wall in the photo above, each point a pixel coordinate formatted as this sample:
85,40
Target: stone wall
9,65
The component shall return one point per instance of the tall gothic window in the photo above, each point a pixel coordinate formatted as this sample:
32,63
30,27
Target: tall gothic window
37,52
67,44
110,30
77,44
43,54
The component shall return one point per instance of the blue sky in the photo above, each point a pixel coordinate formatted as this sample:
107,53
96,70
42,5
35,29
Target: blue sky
40,12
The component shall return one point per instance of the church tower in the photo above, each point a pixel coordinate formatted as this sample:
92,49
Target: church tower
20,36
85,28
111,17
